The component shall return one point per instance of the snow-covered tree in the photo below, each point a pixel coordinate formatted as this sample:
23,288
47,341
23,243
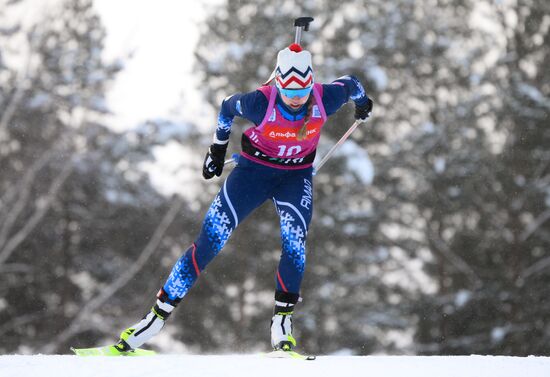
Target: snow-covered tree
79,218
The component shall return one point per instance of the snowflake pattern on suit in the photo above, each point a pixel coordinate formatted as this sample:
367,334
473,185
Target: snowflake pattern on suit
181,279
293,240
218,225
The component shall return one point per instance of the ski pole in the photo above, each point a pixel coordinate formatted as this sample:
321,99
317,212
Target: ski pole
335,146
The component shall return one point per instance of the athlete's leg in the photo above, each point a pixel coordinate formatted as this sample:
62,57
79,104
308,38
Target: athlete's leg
219,223
294,204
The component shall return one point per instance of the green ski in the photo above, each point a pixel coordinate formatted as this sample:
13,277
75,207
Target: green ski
110,351
280,354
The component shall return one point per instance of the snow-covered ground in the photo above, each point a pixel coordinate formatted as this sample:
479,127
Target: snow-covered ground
258,366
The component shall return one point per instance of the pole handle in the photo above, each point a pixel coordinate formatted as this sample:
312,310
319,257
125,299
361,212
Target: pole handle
233,160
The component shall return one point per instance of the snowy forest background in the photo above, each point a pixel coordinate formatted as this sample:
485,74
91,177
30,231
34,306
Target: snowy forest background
444,251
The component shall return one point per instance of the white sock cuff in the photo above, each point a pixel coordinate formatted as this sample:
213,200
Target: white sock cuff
165,306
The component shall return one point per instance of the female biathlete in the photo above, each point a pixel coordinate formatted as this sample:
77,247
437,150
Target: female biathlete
275,164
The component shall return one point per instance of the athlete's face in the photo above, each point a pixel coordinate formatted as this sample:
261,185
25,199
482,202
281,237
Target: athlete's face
294,102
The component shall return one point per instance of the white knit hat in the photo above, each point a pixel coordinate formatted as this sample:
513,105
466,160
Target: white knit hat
294,69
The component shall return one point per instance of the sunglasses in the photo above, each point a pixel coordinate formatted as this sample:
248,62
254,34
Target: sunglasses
293,93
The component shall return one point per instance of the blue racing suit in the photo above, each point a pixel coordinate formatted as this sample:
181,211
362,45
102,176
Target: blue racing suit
249,185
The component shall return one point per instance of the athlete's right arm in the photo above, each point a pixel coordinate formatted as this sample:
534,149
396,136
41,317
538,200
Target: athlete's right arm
251,106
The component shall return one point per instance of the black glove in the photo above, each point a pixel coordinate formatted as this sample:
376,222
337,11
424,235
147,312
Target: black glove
214,160
363,111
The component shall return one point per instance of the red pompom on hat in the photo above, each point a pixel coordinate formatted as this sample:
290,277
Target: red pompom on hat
295,47
294,69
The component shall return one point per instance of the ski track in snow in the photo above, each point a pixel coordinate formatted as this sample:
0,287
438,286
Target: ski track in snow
256,365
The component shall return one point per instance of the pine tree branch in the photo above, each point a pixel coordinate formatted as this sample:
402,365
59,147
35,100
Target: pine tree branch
535,268
533,226
23,189
43,205
456,260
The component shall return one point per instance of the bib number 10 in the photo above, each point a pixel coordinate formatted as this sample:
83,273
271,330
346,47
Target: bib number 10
291,151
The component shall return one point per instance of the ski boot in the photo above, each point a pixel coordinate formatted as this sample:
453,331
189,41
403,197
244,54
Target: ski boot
282,341
149,326
281,322
281,332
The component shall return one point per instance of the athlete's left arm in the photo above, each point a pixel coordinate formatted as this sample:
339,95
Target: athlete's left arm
341,90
